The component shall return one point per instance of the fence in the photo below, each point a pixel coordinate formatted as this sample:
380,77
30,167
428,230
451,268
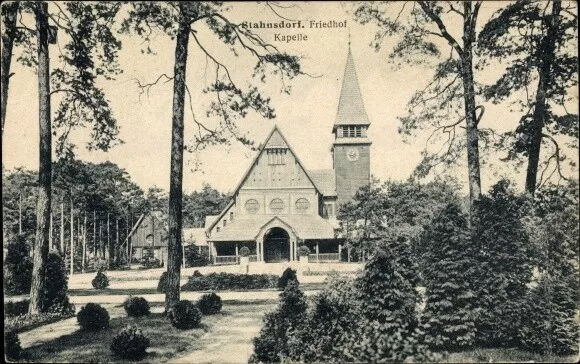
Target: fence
321,258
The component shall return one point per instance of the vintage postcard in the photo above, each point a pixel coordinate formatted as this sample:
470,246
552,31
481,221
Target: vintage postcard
266,182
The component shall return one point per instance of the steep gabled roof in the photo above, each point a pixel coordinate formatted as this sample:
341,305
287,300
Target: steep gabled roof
273,140
351,109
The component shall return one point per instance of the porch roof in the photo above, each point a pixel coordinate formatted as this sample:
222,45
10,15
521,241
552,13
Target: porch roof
303,226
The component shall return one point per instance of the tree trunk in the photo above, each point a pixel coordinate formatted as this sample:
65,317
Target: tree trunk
176,174
94,235
10,13
108,249
72,238
547,55
20,215
62,229
45,162
473,168
84,244
117,245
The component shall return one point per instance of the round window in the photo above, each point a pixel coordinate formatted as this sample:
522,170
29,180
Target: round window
302,205
252,206
277,205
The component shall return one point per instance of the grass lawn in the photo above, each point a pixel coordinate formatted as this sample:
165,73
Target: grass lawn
93,347
506,356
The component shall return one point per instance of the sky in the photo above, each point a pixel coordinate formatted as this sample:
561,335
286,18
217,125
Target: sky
305,116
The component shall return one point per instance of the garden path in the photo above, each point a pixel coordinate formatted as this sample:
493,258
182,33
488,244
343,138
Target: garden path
230,340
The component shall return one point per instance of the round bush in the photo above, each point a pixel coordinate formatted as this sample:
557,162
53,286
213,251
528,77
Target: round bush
210,304
244,251
136,306
184,315
288,275
130,343
93,317
12,347
197,273
162,285
303,251
100,281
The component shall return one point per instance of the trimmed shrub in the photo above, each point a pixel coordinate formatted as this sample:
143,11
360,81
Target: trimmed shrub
162,285
17,267
18,308
93,317
56,288
230,281
244,251
449,312
151,263
12,347
288,275
210,304
130,343
184,315
100,281
303,251
136,306
197,273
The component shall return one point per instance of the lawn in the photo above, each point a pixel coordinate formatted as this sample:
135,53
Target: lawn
167,342
93,347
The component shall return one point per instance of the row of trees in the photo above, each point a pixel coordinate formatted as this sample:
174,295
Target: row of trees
514,285
99,203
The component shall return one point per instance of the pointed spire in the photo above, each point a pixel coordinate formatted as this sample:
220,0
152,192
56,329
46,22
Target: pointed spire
351,109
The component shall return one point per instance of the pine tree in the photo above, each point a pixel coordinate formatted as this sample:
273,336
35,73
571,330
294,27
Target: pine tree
504,264
271,346
448,319
550,325
386,329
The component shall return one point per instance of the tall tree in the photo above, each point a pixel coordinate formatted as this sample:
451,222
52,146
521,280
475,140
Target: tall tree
45,163
83,103
178,21
9,14
538,39
429,26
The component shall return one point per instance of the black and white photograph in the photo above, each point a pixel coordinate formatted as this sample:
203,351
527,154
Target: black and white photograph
290,181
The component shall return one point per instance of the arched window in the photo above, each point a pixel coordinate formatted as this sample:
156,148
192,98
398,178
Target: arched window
252,206
277,205
302,205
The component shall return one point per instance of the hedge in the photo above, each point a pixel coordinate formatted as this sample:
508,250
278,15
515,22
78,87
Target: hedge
229,281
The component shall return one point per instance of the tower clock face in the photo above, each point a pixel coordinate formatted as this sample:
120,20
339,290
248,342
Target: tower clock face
352,154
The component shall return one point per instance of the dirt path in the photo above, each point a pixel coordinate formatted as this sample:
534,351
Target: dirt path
230,340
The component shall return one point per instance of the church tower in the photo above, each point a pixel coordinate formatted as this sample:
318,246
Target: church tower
351,147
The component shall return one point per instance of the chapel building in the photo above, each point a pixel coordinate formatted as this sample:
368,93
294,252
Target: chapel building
280,205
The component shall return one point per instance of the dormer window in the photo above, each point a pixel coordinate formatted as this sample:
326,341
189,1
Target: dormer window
276,156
